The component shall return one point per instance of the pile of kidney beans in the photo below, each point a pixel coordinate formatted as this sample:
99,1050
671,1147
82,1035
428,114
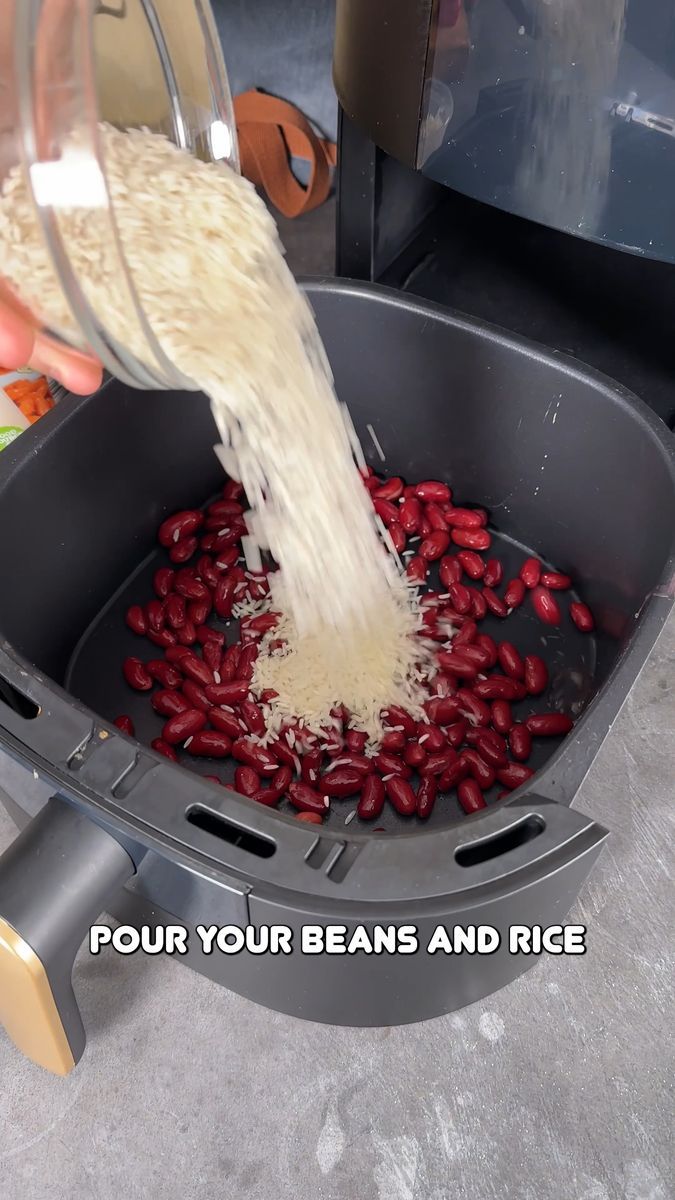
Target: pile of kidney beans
472,738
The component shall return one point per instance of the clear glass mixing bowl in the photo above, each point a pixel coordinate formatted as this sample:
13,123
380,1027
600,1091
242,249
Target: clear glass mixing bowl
71,64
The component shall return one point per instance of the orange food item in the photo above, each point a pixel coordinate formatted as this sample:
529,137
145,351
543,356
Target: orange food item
31,395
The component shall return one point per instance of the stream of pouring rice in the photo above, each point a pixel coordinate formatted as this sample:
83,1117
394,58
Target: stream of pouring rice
209,269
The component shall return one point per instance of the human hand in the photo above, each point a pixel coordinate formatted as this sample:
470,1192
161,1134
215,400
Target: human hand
21,345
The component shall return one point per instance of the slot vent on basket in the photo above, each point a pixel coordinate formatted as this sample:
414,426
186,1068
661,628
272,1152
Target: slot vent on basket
492,847
228,831
337,859
16,700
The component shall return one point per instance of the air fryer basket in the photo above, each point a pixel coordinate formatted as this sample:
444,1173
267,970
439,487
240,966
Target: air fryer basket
569,465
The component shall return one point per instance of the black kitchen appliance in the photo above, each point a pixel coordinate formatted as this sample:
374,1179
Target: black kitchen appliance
569,464
515,160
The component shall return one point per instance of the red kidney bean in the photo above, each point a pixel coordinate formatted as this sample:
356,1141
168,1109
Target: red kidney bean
268,694
478,605
410,515
482,732
495,603
459,664
479,769
186,634
450,778
206,571
161,747
126,724
424,528
520,742
183,725
229,663
180,525
188,586
391,489
449,570
306,799
488,644
437,763
246,662
232,692
502,718
470,796
207,542
397,536
456,733
220,509
546,606
463,518
232,490
278,787
582,617
426,797
164,673
514,775
510,660
196,669
175,654
414,755
343,781
435,518
442,710
555,580
530,572
514,593
181,552
225,722
227,560
154,615
394,740
386,511
281,750
472,539
165,638
162,581
493,755
536,674
499,687
401,796
356,740
472,564
395,715
208,636
371,801
435,545
549,724
466,635
196,695
252,717
210,743
211,653
136,675
433,490
391,764
473,707
174,610
431,738
223,599
493,573
253,755
460,597
476,654
136,619
198,611
247,781
310,767
309,818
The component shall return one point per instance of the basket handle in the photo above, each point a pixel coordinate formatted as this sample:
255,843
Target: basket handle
55,880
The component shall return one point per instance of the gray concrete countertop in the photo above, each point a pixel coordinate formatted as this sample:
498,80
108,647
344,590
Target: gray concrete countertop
559,1087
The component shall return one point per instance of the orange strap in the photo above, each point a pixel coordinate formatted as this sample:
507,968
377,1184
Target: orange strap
271,132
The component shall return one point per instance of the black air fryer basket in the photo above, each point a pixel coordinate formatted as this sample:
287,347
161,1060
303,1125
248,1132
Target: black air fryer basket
570,467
